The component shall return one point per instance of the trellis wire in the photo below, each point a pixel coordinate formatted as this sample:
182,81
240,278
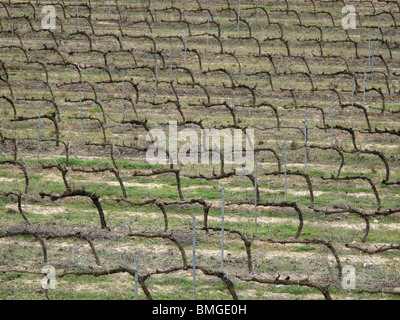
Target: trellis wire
38,136
194,256
109,9
136,277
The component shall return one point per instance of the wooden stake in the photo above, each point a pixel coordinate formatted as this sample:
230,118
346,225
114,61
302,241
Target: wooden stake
255,198
379,34
257,12
352,103
38,136
77,15
365,83
170,59
222,227
156,82
12,42
41,29
305,143
123,94
286,192
375,52
373,69
332,115
194,256
238,22
186,36
208,30
369,51
82,125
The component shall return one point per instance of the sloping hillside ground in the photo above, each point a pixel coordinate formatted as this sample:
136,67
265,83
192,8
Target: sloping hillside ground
81,197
